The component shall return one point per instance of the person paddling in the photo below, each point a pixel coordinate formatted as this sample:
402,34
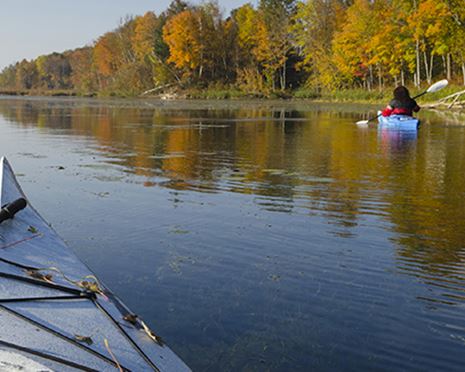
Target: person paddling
402,104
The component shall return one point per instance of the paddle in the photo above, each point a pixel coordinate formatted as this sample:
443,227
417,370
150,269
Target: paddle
433,88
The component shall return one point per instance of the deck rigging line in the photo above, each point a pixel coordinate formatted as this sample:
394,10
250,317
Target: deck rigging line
59,335
75,294
46,356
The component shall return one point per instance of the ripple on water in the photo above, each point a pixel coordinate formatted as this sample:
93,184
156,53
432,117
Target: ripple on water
268,236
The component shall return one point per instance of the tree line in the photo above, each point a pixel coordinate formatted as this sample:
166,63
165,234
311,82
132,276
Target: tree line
276,46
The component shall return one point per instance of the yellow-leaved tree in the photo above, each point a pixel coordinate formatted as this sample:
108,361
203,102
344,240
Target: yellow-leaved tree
430,25
352,53
274,40
143,39
313,29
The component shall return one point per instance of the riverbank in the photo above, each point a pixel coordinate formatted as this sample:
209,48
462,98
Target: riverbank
347,95
45,92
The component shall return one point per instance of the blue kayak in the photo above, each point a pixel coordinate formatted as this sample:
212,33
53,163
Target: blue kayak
55,315
402,122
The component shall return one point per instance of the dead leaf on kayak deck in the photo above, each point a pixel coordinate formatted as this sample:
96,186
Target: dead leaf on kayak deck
36,274
85,339
274,277
177,230
32,229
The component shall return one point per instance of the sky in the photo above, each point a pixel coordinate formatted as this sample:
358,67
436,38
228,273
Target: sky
29,28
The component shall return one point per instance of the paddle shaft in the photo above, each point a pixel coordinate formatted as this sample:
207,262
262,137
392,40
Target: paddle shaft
421,94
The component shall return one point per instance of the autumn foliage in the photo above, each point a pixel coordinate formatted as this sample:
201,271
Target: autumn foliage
278,45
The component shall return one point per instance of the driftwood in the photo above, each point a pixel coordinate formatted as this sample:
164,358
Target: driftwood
456,100
156,89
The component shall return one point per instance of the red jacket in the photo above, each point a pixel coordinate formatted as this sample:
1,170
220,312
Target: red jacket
396,107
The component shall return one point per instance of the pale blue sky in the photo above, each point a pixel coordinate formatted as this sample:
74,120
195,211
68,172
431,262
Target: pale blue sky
29,28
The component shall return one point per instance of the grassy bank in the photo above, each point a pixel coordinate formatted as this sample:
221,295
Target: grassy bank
45,92
373,96
346,95
225,93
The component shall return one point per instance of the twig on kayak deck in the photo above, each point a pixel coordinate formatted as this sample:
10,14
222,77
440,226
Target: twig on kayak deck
21,241
92,286
151,334
107,345
125,334
59,334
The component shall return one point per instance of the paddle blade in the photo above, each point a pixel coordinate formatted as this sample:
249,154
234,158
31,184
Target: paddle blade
362,122
437,86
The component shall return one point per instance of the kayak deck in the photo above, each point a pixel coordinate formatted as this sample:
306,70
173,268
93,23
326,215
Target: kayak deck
402,122
54,311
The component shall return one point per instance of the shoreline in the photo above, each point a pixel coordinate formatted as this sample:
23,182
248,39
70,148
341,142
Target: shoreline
188,97
350,96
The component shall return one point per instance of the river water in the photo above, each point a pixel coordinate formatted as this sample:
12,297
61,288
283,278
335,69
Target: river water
259,235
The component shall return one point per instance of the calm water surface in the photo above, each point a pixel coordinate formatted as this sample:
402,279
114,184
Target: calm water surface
260,235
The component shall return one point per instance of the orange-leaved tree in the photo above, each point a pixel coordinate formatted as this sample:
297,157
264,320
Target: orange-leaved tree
198,43
181,34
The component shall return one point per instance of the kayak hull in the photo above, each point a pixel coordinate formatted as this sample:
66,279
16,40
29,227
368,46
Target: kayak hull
55,313
400,122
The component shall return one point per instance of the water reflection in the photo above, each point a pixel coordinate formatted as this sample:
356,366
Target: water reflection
259,151
397,140
309,226
294,160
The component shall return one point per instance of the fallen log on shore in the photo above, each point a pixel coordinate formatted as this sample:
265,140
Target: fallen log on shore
456,101
153,90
